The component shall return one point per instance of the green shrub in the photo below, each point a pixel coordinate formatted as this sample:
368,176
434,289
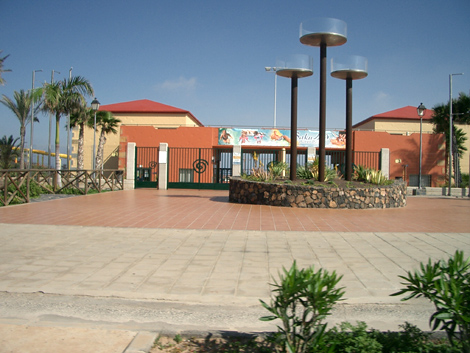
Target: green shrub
302,300
447,286
349,338
276,168
370,175
465,180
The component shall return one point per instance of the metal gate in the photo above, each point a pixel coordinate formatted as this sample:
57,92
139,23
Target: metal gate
146,167
199,168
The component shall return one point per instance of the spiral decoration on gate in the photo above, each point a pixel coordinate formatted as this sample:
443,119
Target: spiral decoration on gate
200,165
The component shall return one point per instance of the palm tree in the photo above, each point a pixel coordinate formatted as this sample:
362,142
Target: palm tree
460,115
7,151
108,124
21,108
62,98
81,118
2,70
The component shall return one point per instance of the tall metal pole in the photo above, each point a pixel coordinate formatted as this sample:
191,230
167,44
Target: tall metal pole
94,143
322,158
451,133
275,96
49,146
420,148
68,128
32,121
348,168
293,127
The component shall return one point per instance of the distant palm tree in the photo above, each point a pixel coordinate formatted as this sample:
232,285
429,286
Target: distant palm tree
80,119
2,70
7,151
108,124
21,108
62,98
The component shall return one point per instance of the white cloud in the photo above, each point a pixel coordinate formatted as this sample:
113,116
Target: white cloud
381,97
179,84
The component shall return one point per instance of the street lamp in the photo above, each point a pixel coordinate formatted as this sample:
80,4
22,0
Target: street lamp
323,33
295,67
49,146
273,69
68,127
451,133
349,68
95,105
32,121
421,110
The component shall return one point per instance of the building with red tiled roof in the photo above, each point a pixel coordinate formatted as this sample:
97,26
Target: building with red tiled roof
406,122
398,121
143,112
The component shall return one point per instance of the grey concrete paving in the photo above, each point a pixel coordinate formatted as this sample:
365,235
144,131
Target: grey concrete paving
126,282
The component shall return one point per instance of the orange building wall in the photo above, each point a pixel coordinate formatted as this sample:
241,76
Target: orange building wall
148,136
404,150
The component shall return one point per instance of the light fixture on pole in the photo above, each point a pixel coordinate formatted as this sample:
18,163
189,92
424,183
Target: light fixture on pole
49,145
421,110
68,127
295,67
32,121
273,69
323,33
451,133
95,105
349,68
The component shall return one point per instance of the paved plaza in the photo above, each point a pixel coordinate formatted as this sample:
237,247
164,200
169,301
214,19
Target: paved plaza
131,264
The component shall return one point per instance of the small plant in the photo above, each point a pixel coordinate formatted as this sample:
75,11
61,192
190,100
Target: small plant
347,337
447,286
302,300
276,168
178,339
370,175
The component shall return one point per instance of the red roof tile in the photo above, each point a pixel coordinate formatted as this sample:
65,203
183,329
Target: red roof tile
146,106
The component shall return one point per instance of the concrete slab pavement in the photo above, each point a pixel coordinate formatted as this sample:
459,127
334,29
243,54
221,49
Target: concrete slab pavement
124,281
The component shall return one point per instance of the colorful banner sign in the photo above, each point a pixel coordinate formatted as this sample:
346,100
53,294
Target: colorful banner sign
278,137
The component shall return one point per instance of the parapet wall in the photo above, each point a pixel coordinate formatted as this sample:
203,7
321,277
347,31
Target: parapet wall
306,196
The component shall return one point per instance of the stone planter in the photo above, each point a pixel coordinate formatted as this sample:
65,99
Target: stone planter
306,196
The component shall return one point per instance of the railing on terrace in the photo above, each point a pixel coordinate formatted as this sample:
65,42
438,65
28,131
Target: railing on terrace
16,184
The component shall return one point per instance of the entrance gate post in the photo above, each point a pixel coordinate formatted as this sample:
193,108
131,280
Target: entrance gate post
236,161
129,181
163,166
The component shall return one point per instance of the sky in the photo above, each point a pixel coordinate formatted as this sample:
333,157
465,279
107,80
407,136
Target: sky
209,56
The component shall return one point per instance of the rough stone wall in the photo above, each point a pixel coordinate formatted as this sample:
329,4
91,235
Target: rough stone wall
305,196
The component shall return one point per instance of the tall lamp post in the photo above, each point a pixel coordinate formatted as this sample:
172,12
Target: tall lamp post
295,67
68,128
349,69
95,105
49,146
451,133
32,121
273,69
323,32
421,110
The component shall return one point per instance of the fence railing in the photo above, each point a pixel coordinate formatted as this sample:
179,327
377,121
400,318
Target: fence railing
16,184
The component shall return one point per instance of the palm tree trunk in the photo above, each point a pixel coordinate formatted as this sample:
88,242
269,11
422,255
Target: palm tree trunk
99,154
58,180
23,134
80,150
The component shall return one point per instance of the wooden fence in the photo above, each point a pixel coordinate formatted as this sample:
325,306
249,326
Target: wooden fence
16,184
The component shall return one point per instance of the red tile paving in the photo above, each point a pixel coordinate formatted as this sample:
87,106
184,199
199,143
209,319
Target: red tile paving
210,209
